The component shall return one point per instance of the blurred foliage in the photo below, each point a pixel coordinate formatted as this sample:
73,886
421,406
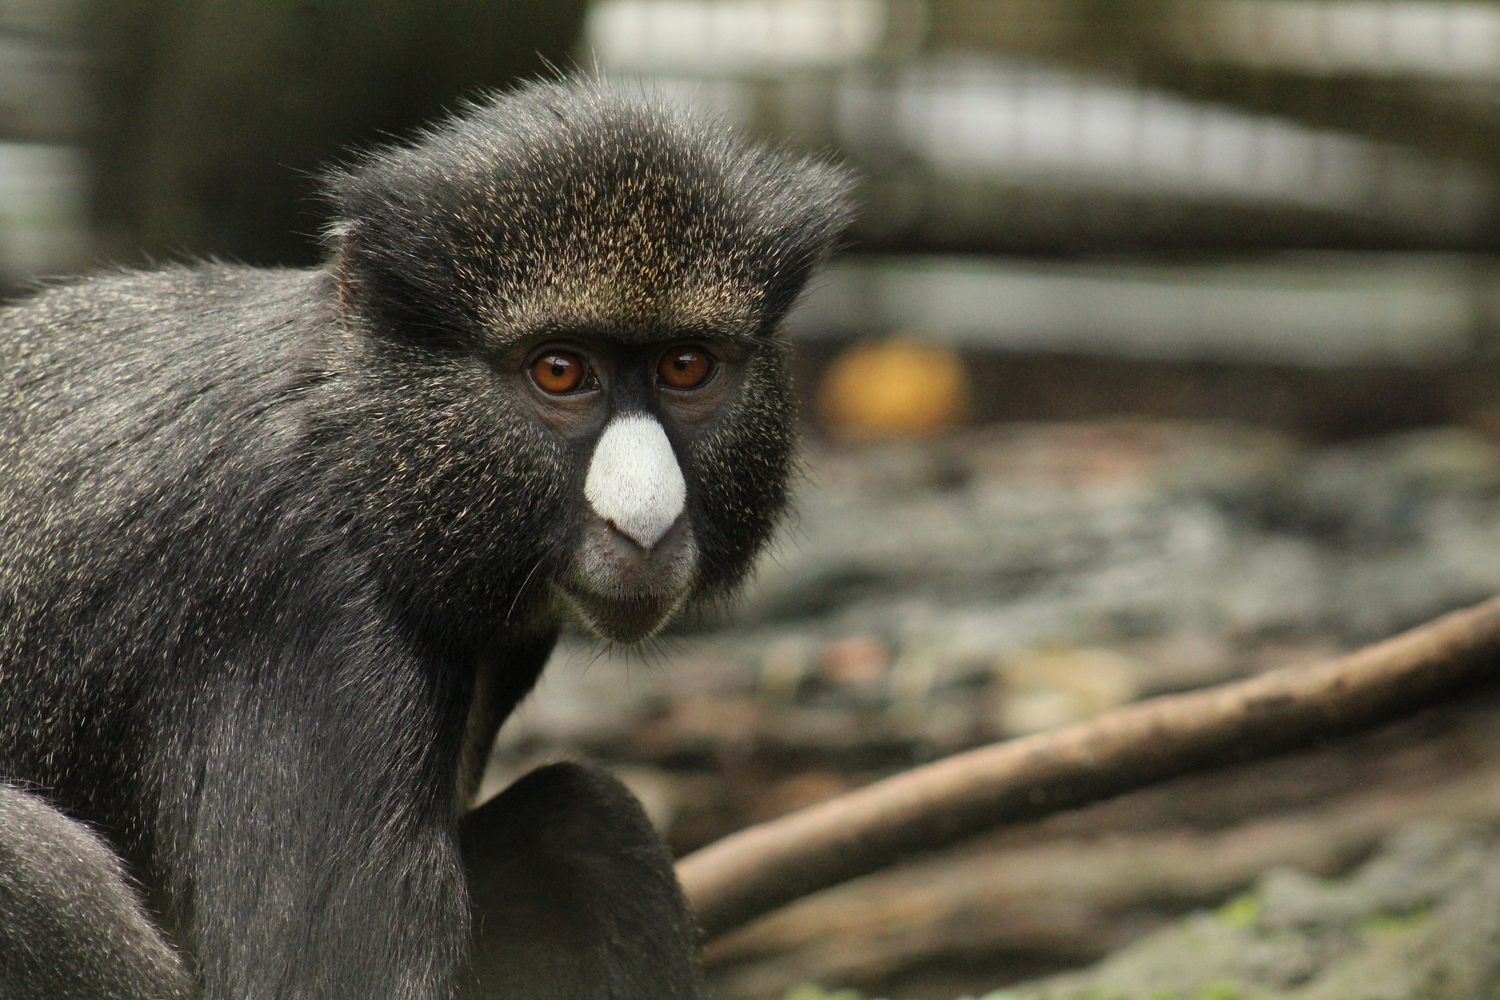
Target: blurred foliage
214,116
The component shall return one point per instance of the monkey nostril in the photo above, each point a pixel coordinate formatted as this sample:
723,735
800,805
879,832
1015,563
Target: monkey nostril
634,481
635,541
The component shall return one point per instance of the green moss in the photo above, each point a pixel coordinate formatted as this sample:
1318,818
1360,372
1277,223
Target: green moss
1215,991
807,991
1395,923
1224,991
1241,911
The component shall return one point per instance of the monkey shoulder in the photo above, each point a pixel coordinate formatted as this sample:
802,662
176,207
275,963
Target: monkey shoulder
172,309
136,407
98,362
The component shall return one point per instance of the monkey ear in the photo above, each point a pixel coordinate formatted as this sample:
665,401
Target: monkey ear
353,292
333,237
804,222
391,284
795,263
784,287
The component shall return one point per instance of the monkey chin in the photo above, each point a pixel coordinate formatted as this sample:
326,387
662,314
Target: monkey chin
623,592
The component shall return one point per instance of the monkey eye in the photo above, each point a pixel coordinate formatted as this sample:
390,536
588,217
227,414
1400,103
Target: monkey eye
560,372
685,368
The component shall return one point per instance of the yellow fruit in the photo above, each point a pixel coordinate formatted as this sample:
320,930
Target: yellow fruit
894,388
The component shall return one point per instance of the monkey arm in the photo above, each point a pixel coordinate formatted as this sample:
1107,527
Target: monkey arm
307,842
70,924
573,895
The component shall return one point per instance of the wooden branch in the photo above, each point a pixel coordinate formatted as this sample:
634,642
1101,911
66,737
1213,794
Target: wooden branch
758,869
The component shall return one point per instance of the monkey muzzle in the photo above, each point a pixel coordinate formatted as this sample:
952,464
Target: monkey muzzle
637,560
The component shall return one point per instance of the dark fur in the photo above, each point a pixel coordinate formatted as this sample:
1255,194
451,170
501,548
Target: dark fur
72,926
575,894
261,530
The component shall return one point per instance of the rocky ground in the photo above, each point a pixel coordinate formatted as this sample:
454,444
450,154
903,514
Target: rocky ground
1420,918
934,595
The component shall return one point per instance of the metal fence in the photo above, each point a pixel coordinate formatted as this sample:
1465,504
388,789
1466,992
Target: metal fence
1067,125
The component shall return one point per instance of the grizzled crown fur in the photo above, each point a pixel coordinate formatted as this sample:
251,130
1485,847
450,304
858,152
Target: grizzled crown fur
628,212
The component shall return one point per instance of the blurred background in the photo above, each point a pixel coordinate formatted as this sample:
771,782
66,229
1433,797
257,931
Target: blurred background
1165,350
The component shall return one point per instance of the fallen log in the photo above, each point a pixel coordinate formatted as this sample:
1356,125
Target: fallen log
758,869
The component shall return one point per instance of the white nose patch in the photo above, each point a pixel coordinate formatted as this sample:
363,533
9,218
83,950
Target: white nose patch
634,480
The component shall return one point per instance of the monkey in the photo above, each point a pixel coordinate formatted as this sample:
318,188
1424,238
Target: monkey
281,549
72,925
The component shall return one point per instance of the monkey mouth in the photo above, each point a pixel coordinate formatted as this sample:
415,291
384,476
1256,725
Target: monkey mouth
624,620
626,593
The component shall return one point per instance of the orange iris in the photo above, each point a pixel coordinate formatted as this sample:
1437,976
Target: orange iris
685,368
559,372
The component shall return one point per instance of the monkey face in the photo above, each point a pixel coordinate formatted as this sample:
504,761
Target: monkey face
633,416
590,290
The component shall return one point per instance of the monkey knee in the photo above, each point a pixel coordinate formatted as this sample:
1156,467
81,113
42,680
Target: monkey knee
574,894
570,827
70,925
566,807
